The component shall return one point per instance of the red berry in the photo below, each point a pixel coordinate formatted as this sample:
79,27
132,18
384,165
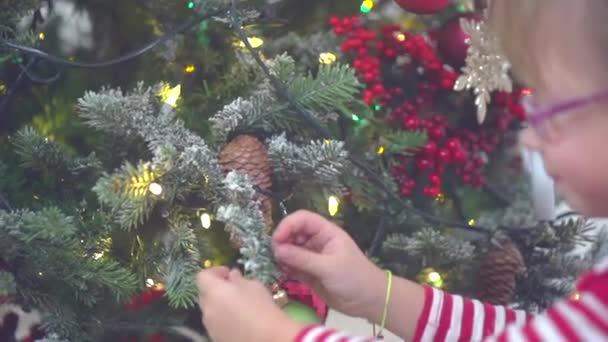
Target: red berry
406,192
467,179
334,20
369,76
459,156
156,338
339,30
346,22
358,64
436,133
411,123
435,179
423,164
444,156
409,183
378,88
430,148
453,145
146,297
431,191
380,45
362,52
390,53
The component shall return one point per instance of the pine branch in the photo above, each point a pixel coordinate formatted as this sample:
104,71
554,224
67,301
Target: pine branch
242,215
127,192
404,142
45,156
183,263
334,86
432,245
8,286
319,163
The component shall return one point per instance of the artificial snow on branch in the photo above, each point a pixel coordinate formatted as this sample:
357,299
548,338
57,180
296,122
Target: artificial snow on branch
243,217
320,162
432,242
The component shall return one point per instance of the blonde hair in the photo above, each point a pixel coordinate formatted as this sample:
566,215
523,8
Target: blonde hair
526,27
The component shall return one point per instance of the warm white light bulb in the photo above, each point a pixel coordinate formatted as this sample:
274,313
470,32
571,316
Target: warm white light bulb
156,189
206,220
333,205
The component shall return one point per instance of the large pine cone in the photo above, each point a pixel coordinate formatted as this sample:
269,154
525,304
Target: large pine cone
499,269
248,155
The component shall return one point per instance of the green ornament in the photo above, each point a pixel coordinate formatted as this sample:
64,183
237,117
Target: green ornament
301,313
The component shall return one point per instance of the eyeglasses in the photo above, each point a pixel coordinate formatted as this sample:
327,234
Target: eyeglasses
538,116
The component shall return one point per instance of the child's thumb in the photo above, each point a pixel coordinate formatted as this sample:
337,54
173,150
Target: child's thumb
299,259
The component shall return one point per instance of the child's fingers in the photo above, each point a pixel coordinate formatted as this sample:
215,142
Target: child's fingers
300,223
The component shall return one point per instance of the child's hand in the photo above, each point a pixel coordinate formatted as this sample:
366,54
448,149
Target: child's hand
238,309
321,254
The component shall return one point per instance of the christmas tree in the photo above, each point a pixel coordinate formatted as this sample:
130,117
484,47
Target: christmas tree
118,184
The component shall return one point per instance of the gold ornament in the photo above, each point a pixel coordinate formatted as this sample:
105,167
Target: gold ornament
486,68
280,297
498,273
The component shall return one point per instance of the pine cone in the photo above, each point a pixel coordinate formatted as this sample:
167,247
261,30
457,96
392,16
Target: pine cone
248,155
498,273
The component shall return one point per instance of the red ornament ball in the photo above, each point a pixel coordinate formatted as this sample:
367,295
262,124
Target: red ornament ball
452,41
423,6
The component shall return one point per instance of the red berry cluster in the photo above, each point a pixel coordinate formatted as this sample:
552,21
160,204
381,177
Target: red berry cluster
450,148
139,301
370,50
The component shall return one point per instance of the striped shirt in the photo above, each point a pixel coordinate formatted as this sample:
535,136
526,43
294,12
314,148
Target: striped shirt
446,317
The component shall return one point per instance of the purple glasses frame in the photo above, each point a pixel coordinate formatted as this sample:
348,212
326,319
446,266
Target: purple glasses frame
537,117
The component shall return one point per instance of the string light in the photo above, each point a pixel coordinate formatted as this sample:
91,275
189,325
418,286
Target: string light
381,150
170,95
367,5
327,142
327,58
440,198
356,118
156,189
435,279
207,263
40,274
400,36
150,282
98,256
191,4
255,42
377,108
41,36
190,68
333,205
576,296
472,222
206,220
526,91
3,88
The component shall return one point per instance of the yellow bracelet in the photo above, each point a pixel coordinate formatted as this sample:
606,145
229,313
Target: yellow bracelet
387,299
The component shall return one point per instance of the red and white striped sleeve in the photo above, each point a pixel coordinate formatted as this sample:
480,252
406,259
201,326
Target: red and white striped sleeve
447,317
322,334
583,318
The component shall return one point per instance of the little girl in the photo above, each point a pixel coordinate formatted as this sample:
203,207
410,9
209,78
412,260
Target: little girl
559,48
